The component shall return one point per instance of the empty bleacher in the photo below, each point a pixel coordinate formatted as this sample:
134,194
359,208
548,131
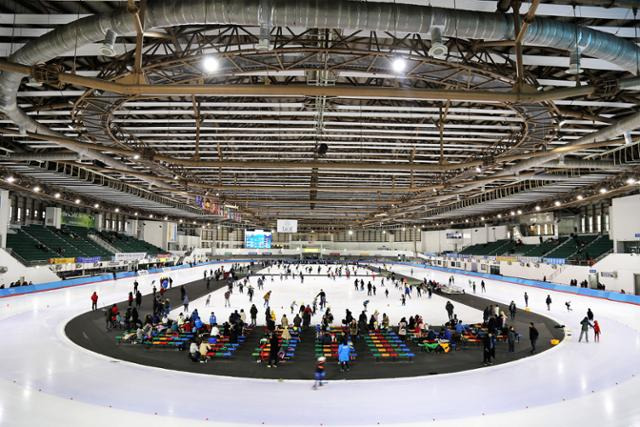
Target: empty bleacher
28,249
598,247
56,243
38,243
128,244
544,247
571,246
491,248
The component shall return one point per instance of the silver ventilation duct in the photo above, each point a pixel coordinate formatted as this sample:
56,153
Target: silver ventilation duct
41,157
310,14
581,164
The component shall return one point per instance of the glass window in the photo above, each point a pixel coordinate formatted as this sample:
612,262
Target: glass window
590,224
27,212
583,224
599,223
19,214
606,222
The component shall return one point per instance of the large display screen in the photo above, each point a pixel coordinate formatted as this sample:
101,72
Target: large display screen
257,239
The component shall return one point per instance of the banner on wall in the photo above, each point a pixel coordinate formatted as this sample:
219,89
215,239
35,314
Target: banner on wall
129,256
77,219
88,260
62,260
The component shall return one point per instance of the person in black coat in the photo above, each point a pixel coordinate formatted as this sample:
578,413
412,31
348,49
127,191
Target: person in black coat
274,348
533,337
138,299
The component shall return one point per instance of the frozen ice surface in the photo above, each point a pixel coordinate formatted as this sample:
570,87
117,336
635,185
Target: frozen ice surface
47,380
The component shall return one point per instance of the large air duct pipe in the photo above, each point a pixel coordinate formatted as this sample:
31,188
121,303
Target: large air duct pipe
44,157
581,164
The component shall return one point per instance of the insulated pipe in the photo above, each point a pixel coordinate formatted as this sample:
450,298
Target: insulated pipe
50,157
581,164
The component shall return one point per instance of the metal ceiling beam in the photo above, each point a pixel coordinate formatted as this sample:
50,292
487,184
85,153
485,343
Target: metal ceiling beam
132,89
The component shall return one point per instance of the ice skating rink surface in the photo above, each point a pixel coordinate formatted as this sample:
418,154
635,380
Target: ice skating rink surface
47,380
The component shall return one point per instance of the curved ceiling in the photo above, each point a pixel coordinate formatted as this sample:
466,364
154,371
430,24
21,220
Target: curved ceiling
321,124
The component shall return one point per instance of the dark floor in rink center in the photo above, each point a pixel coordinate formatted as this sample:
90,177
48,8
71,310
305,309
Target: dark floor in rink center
88,330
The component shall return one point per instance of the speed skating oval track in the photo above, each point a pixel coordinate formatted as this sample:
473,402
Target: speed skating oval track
47,380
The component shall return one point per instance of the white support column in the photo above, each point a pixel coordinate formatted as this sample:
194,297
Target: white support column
53,217
4,217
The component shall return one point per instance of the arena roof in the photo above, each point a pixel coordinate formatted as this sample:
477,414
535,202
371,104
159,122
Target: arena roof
337,113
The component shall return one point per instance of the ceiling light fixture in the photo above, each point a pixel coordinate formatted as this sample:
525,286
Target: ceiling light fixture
10,179
108,45
438,49
630,181
557,203
36,189
399,65
538,208
210,64
580,197
78,201
603,190
95,205
57,195
574,63
117,210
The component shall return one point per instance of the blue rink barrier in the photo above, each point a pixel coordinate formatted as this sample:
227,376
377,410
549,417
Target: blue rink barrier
60,284
595,293
22,290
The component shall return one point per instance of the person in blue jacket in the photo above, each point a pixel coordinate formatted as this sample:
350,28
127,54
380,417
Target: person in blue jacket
344,355
212,319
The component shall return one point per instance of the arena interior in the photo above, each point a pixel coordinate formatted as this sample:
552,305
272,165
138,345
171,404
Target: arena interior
320,213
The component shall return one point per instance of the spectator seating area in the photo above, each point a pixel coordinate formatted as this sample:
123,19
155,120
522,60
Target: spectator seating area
287,347
222,347
28,248
161,339
386,345
571,246
492,248
39,243
81,239
578,247
545,247
598,247
330,350
125,243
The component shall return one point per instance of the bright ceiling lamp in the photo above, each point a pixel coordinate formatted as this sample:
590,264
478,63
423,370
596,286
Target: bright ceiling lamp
399,65
107,48
630,181
210,64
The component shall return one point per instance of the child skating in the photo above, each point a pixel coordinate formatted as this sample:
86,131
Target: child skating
319,373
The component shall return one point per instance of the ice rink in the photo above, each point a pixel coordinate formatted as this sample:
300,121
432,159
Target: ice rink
574,384
341,295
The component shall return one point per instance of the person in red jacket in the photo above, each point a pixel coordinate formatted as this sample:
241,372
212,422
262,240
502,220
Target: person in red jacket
94,301
596,331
